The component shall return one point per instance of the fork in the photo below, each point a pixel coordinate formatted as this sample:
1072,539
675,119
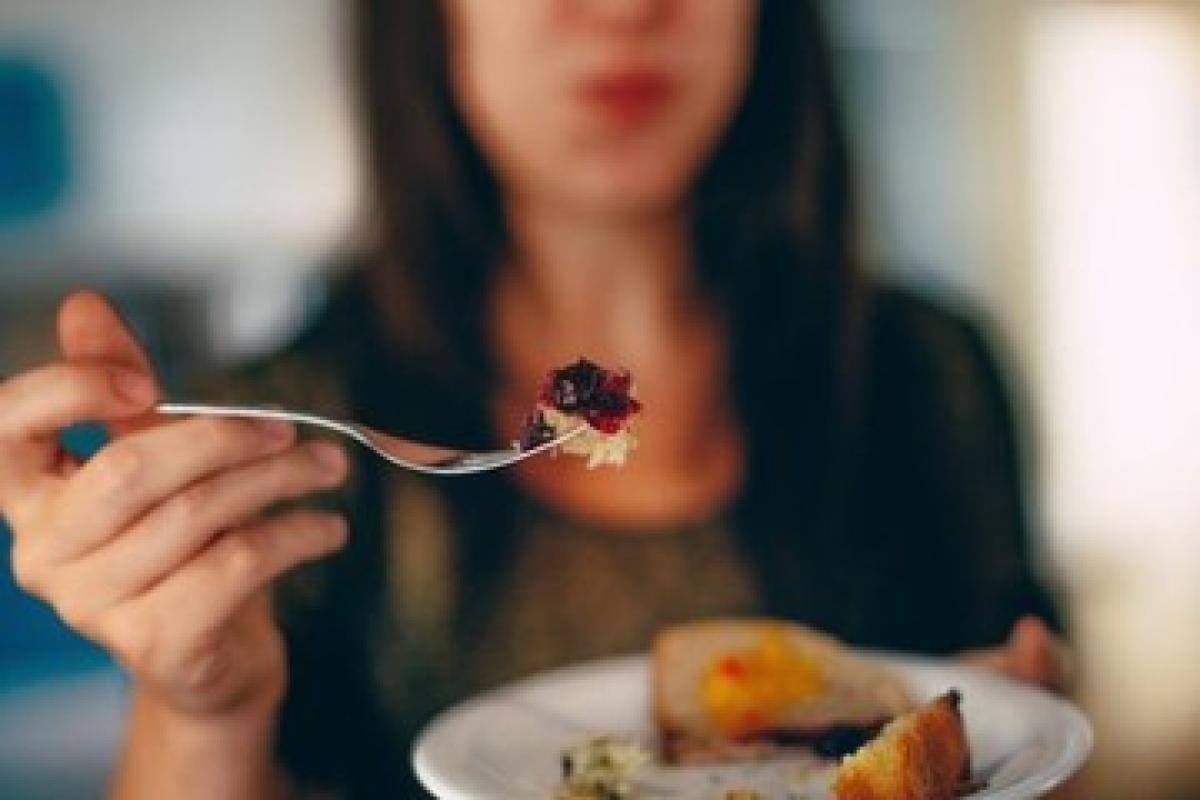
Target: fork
416,456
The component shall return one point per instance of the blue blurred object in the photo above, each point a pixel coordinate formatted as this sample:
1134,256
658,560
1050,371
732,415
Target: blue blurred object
34,159
59,737
32,639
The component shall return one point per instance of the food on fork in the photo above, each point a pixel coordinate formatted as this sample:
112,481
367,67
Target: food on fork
585,393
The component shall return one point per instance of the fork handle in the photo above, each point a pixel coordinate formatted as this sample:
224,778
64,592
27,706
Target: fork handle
259,412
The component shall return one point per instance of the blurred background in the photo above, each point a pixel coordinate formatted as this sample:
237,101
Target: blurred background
1036,160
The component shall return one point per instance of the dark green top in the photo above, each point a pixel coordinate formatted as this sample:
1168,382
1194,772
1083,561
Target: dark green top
448,587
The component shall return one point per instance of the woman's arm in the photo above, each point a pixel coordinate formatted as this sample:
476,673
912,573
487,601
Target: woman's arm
169,755
979,464
162,549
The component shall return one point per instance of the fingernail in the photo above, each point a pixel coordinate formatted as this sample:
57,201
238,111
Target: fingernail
330,458
134,387
274,430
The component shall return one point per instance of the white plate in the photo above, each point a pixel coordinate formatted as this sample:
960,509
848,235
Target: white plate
505,745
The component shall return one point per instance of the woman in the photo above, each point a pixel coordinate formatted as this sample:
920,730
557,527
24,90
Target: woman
657,184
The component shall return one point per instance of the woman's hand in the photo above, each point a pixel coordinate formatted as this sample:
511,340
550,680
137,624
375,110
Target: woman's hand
156,547
1032,654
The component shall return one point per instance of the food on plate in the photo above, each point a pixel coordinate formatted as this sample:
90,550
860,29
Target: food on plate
741,690
586,394
728,693
922,755
732,690
601,768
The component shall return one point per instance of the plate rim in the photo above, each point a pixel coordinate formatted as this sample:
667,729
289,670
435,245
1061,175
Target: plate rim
1080,735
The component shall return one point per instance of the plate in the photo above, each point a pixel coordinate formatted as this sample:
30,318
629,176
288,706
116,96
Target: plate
505,744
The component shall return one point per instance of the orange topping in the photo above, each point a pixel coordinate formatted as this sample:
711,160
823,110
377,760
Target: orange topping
733,668
747,691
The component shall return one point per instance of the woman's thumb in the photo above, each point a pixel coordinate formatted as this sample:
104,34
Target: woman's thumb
90,328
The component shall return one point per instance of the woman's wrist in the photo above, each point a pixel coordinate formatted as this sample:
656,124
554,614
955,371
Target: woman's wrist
228,755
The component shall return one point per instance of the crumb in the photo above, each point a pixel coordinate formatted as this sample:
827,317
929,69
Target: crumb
602,768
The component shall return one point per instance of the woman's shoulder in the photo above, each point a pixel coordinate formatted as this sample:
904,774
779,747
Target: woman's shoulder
936,343
937,383
937,377
907,319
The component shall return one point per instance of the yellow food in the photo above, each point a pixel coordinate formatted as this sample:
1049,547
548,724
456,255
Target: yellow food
744,692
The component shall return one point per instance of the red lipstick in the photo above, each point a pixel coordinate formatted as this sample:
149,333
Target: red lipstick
627,96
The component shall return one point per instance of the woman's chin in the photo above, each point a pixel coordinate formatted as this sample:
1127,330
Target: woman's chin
627,198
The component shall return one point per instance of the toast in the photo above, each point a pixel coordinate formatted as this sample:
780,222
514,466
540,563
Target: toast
730,690
922,755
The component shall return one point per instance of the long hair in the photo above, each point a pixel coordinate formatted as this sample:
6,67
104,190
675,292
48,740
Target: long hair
773,236
778,180
773,239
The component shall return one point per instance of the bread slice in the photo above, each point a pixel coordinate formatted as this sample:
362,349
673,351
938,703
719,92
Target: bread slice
728,690
922,755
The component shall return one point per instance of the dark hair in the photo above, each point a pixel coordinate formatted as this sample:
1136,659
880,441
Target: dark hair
778,182
773,230
773,237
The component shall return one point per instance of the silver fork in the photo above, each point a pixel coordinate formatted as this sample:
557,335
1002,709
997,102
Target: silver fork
405,453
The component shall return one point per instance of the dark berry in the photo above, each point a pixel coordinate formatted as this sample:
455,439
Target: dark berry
598,395
570,389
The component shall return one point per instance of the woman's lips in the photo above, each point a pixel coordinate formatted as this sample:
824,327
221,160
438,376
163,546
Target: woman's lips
627,97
